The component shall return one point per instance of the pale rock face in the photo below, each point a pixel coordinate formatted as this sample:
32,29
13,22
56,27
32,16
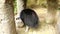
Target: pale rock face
19,7
58,21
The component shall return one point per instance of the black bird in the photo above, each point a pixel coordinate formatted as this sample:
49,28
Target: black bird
29,18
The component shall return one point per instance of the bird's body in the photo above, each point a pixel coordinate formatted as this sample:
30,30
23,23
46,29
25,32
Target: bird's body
29,18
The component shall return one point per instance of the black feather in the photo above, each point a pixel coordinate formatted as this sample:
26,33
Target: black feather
29,17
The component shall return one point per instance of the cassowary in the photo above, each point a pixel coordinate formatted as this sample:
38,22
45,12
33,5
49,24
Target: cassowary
29,18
